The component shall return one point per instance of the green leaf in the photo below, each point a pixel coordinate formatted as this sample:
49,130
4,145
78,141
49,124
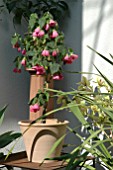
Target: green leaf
1,154
55,145
105,78
54,68
60,158
63,5
72,158
15,39
76,111
42,22
32,21
108,111
18,16
105,58
7,138
77,158
50,44
30,53
2,114
11,5
89,167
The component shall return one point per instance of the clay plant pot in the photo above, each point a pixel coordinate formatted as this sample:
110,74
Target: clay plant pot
36,83
40,137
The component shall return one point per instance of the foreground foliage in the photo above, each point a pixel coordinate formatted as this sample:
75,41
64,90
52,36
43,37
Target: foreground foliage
92,105
7,137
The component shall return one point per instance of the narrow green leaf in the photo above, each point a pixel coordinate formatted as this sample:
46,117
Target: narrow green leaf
1,154
7,138
76,160
89,167
2,114
55,145
105,58
105,78
76,111
109,112
72,158
60,158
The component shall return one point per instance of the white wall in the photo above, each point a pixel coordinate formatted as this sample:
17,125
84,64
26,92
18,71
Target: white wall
97,33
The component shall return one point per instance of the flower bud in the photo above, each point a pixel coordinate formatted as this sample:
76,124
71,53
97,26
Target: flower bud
23,51
54,34
19,49
41,33
45,53
52,23
23,62
34,108
16,70
54,53
58,77
47,27
40,70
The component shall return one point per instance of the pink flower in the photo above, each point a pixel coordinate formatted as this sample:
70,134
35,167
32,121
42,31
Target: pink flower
67,59
41,33
19,49
23,51
16,70
58,77
54,34
16,45
45,53
39,69
52,23
47,27
74,56
37,30
23,62
54,53
34,108
38,33
35,34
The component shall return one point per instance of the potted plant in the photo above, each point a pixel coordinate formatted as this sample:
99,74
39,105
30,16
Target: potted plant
43,53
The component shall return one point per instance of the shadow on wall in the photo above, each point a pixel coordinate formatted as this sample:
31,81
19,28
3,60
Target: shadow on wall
98,28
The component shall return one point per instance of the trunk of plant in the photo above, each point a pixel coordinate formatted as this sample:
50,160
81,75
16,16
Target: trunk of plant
36,83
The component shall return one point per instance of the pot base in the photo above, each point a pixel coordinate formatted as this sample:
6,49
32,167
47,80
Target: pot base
40,137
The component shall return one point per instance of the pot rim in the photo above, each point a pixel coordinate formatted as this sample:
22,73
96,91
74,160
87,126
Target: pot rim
49,122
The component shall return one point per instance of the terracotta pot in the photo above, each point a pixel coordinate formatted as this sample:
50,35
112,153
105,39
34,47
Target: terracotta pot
36,83
40,137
